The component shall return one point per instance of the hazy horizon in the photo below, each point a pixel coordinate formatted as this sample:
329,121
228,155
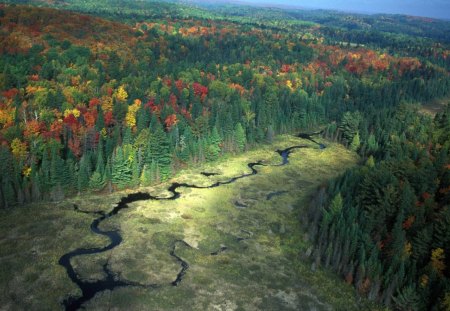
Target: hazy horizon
431,8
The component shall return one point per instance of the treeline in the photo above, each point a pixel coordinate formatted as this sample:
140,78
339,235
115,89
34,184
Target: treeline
385,226
132,105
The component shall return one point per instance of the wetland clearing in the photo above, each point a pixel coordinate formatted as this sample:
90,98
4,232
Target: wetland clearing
226,235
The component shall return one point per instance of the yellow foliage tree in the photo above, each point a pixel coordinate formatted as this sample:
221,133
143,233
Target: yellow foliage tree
289,85
407,250
438,260
18,148
121,94
130,118
106,103
7,116
26,171
75,112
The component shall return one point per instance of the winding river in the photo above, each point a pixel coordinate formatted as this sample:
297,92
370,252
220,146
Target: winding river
90,288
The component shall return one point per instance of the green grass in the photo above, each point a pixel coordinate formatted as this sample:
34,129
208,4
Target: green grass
264,272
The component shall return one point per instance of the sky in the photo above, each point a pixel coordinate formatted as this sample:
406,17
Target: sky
427,8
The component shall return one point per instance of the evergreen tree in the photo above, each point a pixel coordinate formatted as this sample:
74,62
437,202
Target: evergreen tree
56,175
100,122
159,151
349,125
212,148
240,138
108,175
45,172
355,142
97,181
83,174
121,169
270,134
136,172
146,178
372,145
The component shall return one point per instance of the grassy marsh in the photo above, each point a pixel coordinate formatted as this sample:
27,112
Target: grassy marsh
260,269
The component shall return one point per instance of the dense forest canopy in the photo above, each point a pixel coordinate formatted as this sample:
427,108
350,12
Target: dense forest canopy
123,94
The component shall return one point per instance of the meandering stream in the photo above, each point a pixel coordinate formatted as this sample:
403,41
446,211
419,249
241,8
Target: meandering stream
90,288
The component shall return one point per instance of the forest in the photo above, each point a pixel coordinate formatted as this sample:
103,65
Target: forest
121,94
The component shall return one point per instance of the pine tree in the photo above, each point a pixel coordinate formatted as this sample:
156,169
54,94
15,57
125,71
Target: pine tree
155,172
212,148
121,169
136,172
97,181
35,184
370,162
240,138
407,299
355,142
372,145
7,195
45,173
270,134
83,174
56,175
108,175
349,125
100,123
146,178
159,151
142,119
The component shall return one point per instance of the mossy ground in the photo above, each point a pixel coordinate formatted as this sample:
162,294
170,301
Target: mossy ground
261,269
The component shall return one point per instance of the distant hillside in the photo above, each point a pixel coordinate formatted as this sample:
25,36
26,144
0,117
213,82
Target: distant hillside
402,25
22,27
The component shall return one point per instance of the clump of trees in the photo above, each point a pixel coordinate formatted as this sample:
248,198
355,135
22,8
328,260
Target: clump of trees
385,226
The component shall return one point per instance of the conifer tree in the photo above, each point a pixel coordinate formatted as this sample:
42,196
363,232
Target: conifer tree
45,173
136,172
240,138
212,148
121,169
83,174
108,175
56,175
355,142
159,151
270,134
146,176
97,180
100,123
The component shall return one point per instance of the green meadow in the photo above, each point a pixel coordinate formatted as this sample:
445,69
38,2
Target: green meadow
263,264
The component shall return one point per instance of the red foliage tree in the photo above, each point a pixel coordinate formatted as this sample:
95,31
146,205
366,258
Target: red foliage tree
170,121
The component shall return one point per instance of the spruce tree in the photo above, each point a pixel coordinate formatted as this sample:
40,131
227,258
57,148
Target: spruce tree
355,142
270,134
121,169
136,172
97,180
159,151
239,137
108,175
100,122
213,145
56,175
83,174
146,178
